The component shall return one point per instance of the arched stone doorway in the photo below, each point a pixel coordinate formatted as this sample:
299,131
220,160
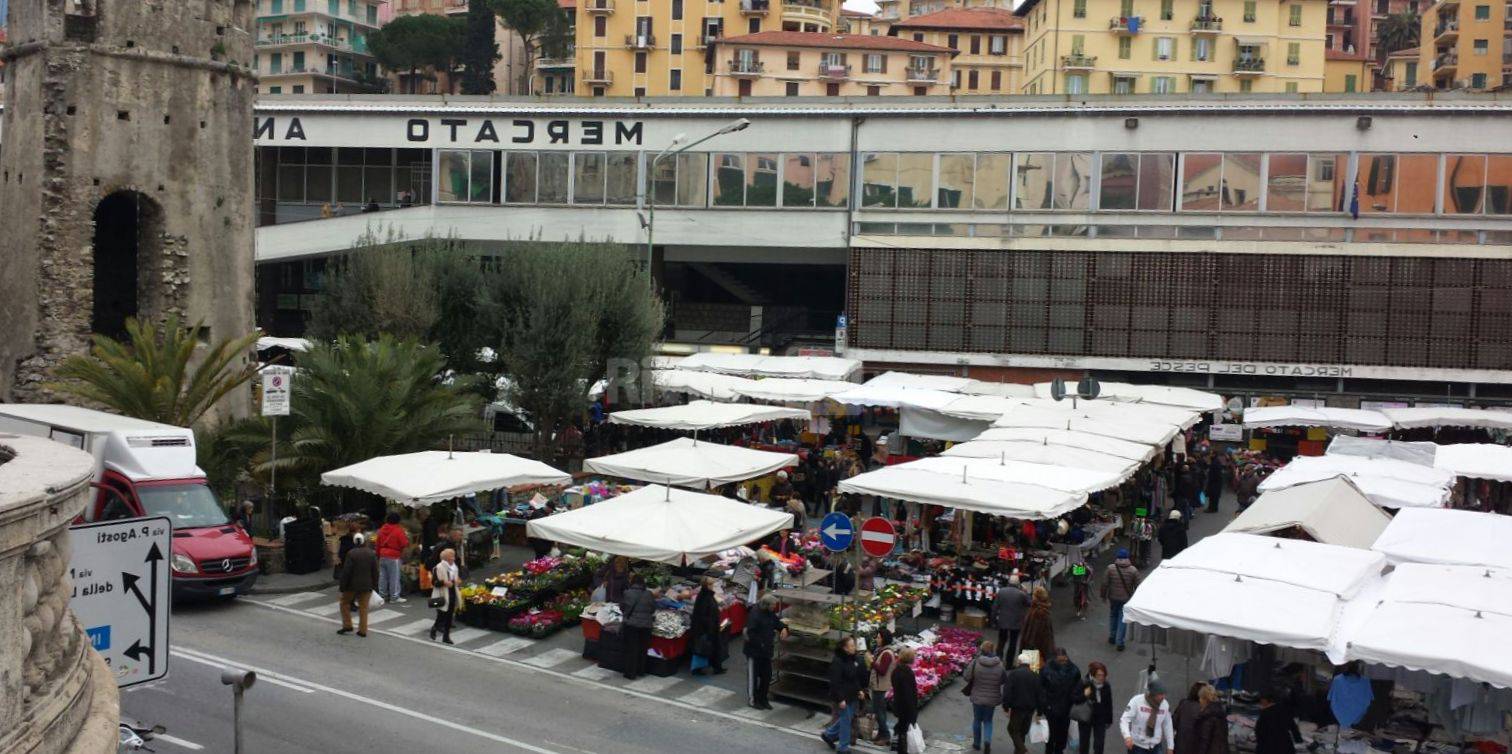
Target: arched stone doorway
127,234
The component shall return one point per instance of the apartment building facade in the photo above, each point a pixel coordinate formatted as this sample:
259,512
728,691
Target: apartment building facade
1173,46
798,64
989,44
1401,71
316,46
635,48
899,10
1466,45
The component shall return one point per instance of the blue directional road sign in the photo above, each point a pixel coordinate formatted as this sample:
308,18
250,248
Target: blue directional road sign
836,532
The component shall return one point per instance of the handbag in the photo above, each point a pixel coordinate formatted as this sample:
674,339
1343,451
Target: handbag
966,690
1082,713
436,603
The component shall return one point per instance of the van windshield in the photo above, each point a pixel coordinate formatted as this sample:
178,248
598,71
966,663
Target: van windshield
186,505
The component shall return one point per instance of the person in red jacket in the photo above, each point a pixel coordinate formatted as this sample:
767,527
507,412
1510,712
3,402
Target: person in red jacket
390,542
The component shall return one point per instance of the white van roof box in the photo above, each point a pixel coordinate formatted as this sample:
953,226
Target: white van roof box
80,419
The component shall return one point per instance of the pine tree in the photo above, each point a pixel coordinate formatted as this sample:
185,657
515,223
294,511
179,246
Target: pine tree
479,50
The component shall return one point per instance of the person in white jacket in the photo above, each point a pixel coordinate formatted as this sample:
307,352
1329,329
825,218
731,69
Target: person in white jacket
1146,722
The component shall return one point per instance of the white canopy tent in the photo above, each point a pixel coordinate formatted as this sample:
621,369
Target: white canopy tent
289,344
892,396
1054,476
1041,453
430,476
1180,397
1113,446
663,524
696,415
1333,511
1447,537
1387,482
1420,453
968,484
1466,612
1476,460
1099,422
1000,389
1303,416
757,365
686,462
710,385
1448,416
941,382
991,408
792,390
1284,592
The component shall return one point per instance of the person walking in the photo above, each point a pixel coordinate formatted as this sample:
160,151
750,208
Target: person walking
1009,608
1273,727
984,678
905,698
444,583
883,660
846,681
1021,699
430,533
1184,719
1098,693
1119,582
707,631
1217,479
761,634
1039,632
358,578
1212,724
639,610
1146,723
390,543
1172,536
1060,686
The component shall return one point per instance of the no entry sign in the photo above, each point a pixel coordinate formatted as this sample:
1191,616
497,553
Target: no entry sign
878,537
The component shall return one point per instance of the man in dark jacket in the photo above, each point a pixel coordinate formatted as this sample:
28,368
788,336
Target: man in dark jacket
1021,699
1273,728
1009,608
1172,536
847,677
1217,479
359,576
640,611
1060,683
761,634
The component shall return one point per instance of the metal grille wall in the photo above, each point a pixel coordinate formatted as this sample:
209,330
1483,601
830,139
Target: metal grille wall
1397,311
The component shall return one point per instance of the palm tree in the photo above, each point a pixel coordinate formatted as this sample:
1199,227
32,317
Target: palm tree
1398,31
152,375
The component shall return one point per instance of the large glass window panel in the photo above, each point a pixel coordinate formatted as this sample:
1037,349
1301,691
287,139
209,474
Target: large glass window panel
1417,183
588,178
1378,181
1286,183
1120,181
831,180
1201,182
991,188
318,183
290,182
692,179
1326,177
378,184
957,177
454,176
1033,178
520,183
798,180
761,180
349,183
915,179
348,156
1464,183
1073,180
664,181
552,178
1499,184
621,180
1157,171
318,155
482,176
729,179
1241,182
879,179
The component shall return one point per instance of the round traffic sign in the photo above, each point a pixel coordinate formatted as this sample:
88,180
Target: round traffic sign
835,532
878,537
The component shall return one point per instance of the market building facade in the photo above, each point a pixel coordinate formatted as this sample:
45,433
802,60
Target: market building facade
1190,242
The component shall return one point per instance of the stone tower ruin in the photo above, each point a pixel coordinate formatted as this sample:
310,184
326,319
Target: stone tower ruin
125,175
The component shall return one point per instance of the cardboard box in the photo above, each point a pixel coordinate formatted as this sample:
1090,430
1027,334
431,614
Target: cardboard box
973,618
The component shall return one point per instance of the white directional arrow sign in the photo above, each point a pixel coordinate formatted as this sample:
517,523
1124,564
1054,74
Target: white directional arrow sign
121,594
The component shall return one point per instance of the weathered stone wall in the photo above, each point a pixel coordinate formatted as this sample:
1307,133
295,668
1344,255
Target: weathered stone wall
56,694
149,96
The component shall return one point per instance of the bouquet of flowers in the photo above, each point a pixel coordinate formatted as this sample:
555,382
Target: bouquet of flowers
542,565
537,623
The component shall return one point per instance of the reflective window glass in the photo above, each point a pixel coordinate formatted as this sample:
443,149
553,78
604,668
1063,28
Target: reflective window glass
1286,183
957,176
1201,181
1417,183
621,180
761,180
1073,180
1326,176
553,178
832,180
1119,188
1157,172
991,188
482,177
879,180
1499,184
915,179
729,179
798,180
664,182
454,176
1464,183
1241,182
692,179
588,178
520,183
1033,177
1377,180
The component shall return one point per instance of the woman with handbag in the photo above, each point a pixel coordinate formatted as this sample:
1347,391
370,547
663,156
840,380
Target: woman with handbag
984,686
883,659
1095,715
905,700
706,631
443,597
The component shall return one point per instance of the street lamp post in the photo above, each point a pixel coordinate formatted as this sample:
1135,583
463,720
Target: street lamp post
679,144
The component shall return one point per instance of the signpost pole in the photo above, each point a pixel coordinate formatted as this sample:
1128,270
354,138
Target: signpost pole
236,720
272,472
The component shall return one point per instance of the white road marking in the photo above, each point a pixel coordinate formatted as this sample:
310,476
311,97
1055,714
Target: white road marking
507,646
414,628
464,635
551,658
294,599
762,714
653,684
707,696
595,673
811,724
381,616
264,674
193,657
329,608
176,741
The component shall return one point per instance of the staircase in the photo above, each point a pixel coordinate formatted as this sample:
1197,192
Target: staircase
732,285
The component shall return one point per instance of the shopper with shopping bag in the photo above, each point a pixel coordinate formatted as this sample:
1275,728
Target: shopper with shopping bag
1060,685
1021,699
1146,722
847,680
906,705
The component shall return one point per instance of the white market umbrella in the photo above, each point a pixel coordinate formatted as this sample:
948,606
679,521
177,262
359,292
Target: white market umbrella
430,476
663,524
686,462
696,415
1387,482
792,389
1100,422
1099,443
1036,452
710,385
1447,537
1448,416
1360,419
756,365
964,484
1163,395
1475,460
1467,610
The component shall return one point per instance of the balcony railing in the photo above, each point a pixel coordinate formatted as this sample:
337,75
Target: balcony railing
806,13
567,62
755,7
599,7
311,39
924,75
340,72
1077,61
598,77
1121,24
1207,25
1249,66
741,67
834,70
1446,61
1449,29
640,41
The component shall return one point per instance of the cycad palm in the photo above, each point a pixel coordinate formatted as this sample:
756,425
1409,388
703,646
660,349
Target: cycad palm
152,375
1398,31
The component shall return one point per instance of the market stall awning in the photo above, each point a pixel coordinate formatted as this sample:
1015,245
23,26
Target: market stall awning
1054,476
1387,482
1134,451
892,396
710,385
1098,422
1476,460
1448,416
1179,397
697,415
431,476
757,365
288,344
663,524
1447,537
792,390
1000,389
991,408
1420,453
1284,592
964,483
686,462
1303,416
941,382
1333,511
1452,620
1037,452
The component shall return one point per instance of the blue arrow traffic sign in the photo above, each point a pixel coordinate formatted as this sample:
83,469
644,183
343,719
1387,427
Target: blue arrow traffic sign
836,532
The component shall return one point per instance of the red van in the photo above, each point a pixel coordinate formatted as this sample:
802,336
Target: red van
144,468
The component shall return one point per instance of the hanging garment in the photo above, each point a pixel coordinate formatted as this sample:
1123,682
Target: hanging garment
1349,696
1221,654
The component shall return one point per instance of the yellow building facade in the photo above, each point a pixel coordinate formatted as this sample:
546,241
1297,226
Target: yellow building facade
1402,70
1346,72
1466,44
1173,46
989,43
633,48
810,64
